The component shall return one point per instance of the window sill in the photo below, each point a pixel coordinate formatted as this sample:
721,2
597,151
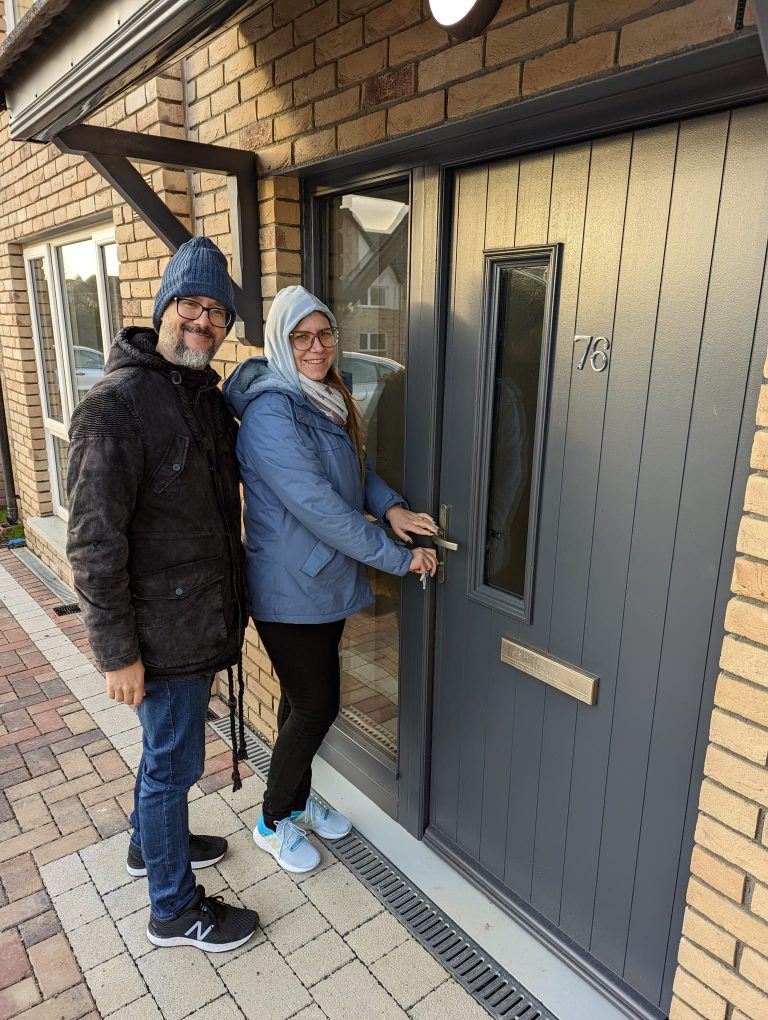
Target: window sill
52,530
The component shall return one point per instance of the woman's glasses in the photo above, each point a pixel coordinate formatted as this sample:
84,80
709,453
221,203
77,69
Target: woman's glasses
303,341
192,310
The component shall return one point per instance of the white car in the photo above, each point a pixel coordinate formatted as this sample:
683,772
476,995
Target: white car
89,368
369,372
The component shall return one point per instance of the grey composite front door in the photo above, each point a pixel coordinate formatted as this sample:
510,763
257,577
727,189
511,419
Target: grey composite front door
604,332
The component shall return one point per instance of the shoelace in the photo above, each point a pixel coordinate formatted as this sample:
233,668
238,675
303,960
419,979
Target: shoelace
290,834
314,811
215,906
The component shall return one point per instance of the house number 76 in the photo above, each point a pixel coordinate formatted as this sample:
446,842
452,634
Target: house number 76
597,350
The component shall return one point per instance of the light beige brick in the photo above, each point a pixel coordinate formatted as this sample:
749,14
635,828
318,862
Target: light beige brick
717,873
391,17
450,65
729,808
759,459
750,578
756,499
676,29
416,42
742,698
492,89
589,15
745,660
698,995
754,967
416,114
539,31
712,973
709,936
362,131
735,773
747,620
739,736
736,919
569,63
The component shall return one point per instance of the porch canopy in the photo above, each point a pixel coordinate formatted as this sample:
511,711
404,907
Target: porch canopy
66,59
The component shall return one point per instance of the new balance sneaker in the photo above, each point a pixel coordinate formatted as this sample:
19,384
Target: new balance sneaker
323,820
288,845
208,923
203,852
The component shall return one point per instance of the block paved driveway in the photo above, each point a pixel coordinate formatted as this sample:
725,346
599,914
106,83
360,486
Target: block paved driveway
72,921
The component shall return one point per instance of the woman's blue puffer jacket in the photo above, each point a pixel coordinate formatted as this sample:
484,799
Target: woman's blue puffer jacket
308,541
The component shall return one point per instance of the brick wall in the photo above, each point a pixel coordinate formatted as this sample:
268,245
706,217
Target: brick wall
723,973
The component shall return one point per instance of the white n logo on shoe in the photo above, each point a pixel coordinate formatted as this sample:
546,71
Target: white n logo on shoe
201,935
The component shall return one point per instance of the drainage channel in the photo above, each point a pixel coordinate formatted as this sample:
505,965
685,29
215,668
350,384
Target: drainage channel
493,987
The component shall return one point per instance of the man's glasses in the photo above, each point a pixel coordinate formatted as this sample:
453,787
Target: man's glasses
192,310
303,341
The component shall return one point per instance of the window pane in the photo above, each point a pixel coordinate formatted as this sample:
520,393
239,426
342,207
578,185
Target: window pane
112,278
60,455
367,258
43,314
522,308
81,298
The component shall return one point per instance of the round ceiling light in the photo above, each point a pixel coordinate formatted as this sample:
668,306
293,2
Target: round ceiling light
463,19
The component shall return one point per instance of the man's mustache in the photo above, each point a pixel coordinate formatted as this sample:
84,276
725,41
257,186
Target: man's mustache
198,330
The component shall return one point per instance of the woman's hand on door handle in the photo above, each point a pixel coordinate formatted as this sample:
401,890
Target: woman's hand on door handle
405,523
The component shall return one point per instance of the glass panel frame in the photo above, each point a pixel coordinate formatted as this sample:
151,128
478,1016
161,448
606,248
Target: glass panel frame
51,255
365,318
496,262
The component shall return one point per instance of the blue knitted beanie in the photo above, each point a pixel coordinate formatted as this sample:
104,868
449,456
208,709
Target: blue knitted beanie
197,269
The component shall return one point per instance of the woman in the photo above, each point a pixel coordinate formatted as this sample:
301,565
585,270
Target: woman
308,543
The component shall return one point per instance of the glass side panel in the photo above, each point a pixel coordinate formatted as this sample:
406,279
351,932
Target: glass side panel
60,456
79,266
112,279
367,259
522,296
44,315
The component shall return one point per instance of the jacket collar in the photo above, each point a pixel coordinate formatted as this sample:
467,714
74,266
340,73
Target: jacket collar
135,346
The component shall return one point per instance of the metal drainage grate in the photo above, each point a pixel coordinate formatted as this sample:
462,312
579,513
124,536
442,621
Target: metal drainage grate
68,610
493,987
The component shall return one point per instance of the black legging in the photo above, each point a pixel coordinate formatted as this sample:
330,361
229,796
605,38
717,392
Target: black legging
306,659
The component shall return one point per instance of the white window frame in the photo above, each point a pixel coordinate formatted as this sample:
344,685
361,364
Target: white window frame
367,335
48,251
11,16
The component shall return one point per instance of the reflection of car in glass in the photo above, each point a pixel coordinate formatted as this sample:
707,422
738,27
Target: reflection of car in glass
89,368
369,372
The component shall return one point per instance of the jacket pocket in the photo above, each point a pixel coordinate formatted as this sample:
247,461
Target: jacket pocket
320,557
172,463
180,614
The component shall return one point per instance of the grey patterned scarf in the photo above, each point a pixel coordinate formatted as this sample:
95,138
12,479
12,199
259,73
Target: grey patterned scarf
326,399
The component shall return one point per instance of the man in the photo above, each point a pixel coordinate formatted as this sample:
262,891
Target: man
154,543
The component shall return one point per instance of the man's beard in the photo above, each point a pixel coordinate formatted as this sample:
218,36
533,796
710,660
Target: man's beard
175,347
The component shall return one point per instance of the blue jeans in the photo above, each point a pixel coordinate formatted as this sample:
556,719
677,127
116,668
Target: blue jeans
172,717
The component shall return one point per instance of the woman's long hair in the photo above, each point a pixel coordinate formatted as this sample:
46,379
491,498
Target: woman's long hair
355,425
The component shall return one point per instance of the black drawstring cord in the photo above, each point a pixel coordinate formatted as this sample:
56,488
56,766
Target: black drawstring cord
236,780
242,754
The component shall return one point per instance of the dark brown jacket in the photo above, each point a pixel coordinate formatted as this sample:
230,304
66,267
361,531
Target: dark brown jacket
154,515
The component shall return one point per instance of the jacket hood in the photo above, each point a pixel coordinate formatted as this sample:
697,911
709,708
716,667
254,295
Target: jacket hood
135,345
249,380
291,305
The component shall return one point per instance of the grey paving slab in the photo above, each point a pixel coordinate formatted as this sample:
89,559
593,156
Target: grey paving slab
273,897
220,960
115,984
65,874
131,755
294,930
105,862
377,937
128,738
245,864
116,720
352,993
144,1008
96,942
181,980
409,973
312,1012
319,958
341,898
224,1008
211,815
127,899
449,1000
264,986
248,796
78,906
133,931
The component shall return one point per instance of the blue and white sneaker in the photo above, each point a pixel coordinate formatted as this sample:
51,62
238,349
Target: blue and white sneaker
319,818
288,845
